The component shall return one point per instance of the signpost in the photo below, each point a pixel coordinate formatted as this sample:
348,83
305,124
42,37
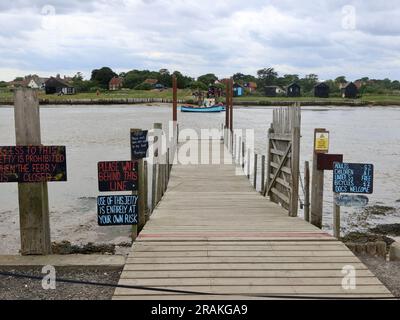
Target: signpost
353,178
321,141
139,147
33,164
326,161
139,144
321,145
347,200
350,178
117,210
118,176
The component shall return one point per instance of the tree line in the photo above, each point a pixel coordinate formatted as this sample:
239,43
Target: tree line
135,79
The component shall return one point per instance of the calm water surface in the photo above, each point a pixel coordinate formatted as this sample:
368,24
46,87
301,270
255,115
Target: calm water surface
101,133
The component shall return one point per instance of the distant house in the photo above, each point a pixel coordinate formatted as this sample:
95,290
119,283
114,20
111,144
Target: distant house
250,86
159,86
115,84
37,83
293,90
349,90
58,86
152,82
17,84
321,90
270,91
238,90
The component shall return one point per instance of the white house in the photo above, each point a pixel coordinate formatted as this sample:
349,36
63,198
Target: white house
37,83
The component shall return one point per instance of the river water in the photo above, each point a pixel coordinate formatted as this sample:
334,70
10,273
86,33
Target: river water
101,133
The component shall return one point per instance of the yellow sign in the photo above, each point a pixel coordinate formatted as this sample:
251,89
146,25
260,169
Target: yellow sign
322,141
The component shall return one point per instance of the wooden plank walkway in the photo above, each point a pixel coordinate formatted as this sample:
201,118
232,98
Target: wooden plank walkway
213,233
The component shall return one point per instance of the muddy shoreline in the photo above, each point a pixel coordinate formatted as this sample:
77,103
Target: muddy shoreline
250,103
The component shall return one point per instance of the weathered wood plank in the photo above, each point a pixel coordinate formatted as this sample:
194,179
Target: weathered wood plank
257,259
172,282
244,266
151,274
213,233
263,290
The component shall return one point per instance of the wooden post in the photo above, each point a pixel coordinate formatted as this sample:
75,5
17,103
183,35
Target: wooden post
156,169
234,147
160,172
33,197
307,191
248,164
141,194
295,164
146,191
231,105
317,189
177,133
243,153
174,99
153,186
262,173
227,104
269,160
225,135
336,217
167,170
255,170
168,166
239,153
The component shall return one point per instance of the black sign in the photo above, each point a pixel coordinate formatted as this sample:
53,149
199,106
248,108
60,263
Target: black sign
139,144
33,164
353,178
118,176
117,210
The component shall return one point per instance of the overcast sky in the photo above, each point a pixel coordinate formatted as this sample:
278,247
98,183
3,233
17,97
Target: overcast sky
333,37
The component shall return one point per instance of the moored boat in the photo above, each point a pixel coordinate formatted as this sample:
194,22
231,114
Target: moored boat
215,108
208,105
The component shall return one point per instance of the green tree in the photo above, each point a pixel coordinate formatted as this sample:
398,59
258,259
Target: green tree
287,79
341,80
266,77
198,85
308,83
182,81
103,76
244,78
208,79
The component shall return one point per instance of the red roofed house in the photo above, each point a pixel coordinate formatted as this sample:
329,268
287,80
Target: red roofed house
115,84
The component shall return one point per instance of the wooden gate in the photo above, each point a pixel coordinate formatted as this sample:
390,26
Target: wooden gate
282,174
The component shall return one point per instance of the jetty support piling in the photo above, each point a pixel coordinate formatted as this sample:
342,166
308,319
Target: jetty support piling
33,197
307,191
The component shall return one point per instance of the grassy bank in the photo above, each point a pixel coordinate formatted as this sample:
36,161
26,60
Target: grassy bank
127,96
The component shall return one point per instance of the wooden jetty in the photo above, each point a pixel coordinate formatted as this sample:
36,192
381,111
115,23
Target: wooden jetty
214,236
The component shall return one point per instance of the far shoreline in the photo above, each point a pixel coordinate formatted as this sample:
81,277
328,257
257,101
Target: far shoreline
237,102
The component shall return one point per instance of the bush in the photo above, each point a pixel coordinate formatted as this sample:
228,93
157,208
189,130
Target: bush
95,89
144,86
